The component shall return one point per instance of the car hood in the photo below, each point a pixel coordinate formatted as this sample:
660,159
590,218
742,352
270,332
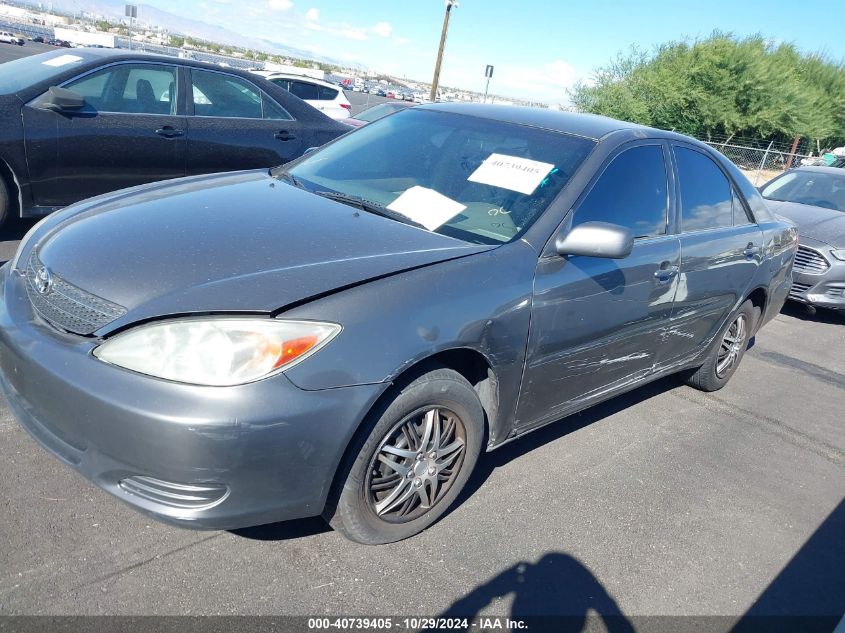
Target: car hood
819,223
242,242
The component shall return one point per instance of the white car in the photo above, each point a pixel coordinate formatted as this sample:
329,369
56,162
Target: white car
8,38
327,98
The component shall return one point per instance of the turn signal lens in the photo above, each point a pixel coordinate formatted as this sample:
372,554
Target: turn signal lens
216,351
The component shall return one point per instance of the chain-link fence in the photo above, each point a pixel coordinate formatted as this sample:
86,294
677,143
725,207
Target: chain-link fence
760,164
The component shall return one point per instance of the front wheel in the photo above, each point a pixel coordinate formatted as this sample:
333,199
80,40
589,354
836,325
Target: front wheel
417,457
727,351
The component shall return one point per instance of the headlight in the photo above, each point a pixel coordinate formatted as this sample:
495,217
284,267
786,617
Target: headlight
216,351
839,254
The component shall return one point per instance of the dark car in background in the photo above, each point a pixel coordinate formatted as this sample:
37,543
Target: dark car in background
76,124
344,335
814,198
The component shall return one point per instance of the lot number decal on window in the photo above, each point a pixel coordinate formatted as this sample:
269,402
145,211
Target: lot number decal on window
426,206
511,172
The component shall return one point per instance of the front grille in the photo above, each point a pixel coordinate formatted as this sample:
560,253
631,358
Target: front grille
798,289
810,261
66,306
168,493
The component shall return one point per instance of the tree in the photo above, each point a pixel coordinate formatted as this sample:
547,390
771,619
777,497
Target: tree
722,86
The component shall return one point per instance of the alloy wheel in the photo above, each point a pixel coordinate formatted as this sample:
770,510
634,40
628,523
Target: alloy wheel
731,346
416,464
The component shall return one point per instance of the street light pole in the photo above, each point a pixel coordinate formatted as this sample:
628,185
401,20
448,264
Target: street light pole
449,5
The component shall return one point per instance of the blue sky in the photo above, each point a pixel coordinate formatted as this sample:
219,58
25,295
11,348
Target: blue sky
539,47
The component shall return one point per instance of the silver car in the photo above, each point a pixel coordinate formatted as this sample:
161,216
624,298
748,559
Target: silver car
814,198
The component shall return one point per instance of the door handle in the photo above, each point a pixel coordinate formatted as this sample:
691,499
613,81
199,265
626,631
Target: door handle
665,272
284,135
169,132
751,250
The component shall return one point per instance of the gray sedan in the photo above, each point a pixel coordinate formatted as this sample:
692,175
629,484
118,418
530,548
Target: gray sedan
814,198
346,334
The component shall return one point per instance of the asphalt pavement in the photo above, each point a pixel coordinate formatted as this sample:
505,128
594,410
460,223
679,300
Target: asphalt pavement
666,501
8,52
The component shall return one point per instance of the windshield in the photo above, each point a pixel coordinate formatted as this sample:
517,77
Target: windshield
26,71
472,178
816,188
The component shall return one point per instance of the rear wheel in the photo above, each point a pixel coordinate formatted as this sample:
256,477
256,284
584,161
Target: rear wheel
414,462
726,353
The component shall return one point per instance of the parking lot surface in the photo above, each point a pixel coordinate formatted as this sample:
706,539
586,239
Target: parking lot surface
665,501
9,52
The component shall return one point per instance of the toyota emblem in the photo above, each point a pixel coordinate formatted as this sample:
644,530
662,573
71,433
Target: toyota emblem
43,281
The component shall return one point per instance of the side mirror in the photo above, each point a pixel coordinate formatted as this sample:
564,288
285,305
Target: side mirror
62,100
596,239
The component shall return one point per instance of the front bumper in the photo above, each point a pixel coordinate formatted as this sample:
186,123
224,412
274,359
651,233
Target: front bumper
200,457
822,289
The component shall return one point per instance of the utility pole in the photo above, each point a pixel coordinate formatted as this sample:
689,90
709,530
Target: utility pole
436,81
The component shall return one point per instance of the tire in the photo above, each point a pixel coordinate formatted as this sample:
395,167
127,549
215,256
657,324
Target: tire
373,503
727,351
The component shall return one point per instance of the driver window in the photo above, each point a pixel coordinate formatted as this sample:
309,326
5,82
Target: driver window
130,89
631,192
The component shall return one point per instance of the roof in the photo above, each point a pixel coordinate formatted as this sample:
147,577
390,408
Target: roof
587,125
823,169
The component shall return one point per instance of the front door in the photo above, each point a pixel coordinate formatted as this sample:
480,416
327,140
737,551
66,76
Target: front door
129,133
596,323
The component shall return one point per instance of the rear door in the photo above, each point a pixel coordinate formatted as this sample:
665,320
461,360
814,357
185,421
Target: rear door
597,324
131,131
721,249
233,124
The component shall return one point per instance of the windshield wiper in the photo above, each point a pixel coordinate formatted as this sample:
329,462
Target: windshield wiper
369,207
287,177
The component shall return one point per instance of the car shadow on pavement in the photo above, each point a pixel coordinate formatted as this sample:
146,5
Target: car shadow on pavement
805,313
809,593
557,593
285,530
488,462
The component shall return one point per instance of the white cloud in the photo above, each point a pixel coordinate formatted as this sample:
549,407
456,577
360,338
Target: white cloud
546,83
383,29
312,14
280,5
352,33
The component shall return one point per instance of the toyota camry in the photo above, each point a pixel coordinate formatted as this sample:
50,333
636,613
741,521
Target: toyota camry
346,334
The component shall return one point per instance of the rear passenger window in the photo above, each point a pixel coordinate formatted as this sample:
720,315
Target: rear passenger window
221,95
741,214
327,94
631,192
304,90
273,110
706,195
